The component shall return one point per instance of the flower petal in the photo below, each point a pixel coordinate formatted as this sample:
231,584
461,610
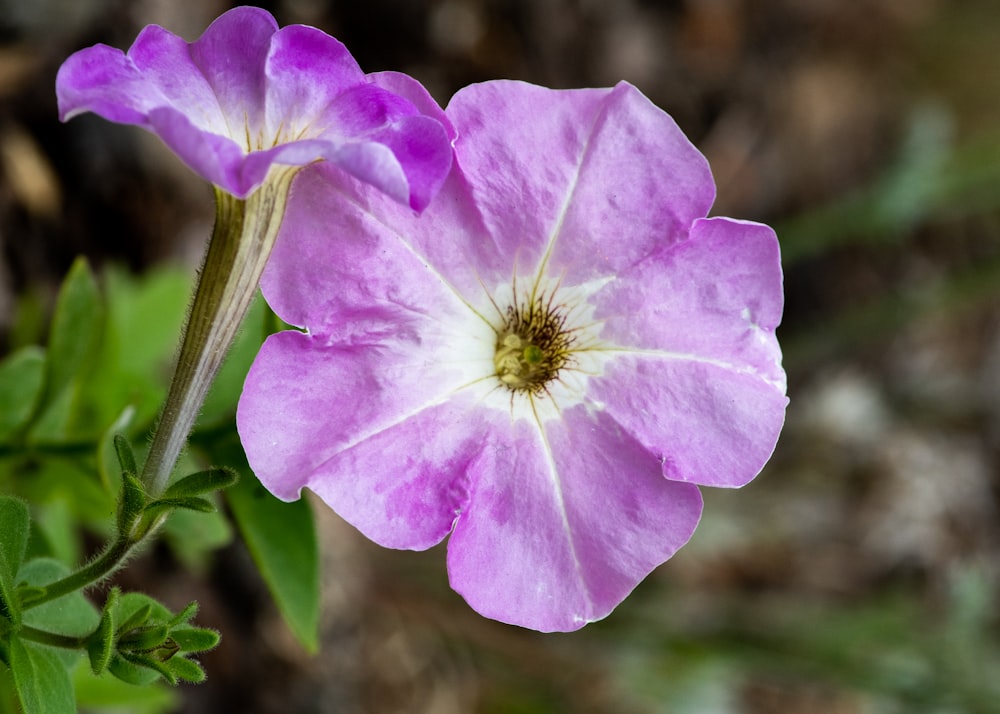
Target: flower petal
358,422
696,374
384,142
371,249
562,525
716,297
103,80
570,158
406,86
306,71
231,55
708,424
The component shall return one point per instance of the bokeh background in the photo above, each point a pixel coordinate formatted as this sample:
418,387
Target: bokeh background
858,573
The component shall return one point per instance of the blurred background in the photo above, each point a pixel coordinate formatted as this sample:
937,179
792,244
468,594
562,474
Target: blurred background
858,574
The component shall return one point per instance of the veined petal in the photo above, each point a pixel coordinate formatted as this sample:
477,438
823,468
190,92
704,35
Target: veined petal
390,457
714,297
102,80
306,71
709,424
622,209
407,87
165,63
563,524
215,157
371,249
231,55
570,158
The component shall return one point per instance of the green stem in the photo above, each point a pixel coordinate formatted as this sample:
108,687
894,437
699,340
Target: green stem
51,638
94,572
244,233
241,242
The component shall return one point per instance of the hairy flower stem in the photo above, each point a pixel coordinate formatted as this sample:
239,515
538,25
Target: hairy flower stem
244,233
94,572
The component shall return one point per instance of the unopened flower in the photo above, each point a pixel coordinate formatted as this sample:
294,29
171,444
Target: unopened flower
247,96
545,365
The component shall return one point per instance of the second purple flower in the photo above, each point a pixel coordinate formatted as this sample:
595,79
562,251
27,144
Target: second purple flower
246,96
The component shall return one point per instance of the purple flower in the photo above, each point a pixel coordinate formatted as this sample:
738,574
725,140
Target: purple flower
246,96
545,364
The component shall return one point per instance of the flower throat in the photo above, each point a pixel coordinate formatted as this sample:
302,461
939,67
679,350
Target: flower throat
532,346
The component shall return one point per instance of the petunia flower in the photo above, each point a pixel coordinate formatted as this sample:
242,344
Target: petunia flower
546,364
246,97
246,106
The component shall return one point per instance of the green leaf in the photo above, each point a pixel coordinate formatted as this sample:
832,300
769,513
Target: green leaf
137,609
15,525
131,504
72,614
147,663
68,479
21,377
140,339
74,334
282,541
195,639
54,532
185,615
141,639
186,669
109,694
102,643
214,479
126,457
190,503
41,679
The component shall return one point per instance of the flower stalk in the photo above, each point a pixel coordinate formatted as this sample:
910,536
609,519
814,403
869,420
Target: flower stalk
244,233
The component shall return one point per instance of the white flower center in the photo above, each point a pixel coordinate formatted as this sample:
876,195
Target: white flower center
546,347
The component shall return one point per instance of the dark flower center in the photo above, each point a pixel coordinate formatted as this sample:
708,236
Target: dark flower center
532,346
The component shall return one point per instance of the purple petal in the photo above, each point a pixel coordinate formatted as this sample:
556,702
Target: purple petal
562,525
571,159
704,388
371,249
407,87
708,424
306,71
716,296
230,55
355,420
102,80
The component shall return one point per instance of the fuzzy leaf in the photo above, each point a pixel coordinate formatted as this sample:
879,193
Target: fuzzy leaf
41,679
21,378
131,504
102,644
195,639
15,526
186,669
75,331
142,639
150,664
202,482
190,503
126,457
